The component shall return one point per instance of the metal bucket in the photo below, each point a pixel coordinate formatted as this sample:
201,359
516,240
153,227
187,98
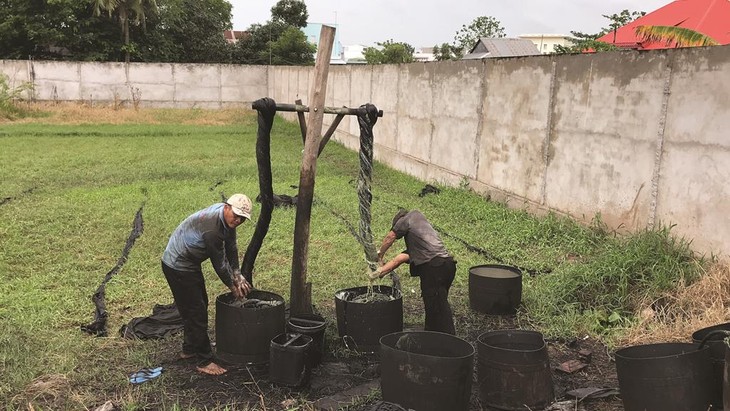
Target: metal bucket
495,289
314,326
288,359
243,335
665,377
426,370
714,338
513,370
360,325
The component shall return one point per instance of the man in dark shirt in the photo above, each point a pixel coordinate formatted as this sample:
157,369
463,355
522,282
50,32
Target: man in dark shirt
208,234
428,259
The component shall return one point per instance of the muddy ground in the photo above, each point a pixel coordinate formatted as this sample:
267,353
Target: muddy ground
348,376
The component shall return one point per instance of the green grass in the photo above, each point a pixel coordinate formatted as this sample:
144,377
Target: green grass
75,189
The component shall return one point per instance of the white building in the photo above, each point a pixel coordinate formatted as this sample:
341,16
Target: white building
546,42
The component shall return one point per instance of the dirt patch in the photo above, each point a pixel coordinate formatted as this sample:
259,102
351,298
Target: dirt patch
350,372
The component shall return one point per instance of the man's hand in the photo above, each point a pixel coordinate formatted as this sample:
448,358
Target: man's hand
239,287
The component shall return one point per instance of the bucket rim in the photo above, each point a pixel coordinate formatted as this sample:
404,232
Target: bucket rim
391,291
531,333
505,267
458,340
227,298
691,349
700,334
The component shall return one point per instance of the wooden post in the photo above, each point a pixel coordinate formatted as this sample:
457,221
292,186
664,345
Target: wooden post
301,291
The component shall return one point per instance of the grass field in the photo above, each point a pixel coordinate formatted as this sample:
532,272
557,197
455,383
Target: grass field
73,178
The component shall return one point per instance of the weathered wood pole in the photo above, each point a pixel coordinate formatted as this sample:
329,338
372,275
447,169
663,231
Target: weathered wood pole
301,291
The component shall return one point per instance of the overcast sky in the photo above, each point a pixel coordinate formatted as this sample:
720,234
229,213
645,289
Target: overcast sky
430,22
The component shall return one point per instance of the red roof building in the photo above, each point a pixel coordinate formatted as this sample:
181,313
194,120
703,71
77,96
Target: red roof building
709,17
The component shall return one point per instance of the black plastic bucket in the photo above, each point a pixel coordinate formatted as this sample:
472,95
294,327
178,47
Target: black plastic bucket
665,377
360,325
715,340
513,370
495,289
288,359
426,370
314,326
243,335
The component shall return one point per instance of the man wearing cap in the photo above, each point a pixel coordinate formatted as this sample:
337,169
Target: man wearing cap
207,234
428,259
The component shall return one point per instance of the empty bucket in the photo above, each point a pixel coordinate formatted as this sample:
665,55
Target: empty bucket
426,370
495,289
314,326
361,324
665,377
513,370
714,338
288,359
243,335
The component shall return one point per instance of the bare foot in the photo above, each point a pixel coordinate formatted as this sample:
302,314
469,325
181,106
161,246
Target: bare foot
212,369
185,356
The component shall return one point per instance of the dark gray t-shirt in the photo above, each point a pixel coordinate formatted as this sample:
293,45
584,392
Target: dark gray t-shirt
422,241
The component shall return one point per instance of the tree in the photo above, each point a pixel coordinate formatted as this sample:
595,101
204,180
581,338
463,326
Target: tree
292,48
390,52
124,9
581,42
50,30
188,31
619,20
290,12
484,26
679,36
445,52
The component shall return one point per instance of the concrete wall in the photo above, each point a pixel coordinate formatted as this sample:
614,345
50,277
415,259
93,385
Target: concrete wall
639,137
146,84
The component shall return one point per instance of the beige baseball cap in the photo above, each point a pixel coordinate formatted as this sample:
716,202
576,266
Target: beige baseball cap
241,205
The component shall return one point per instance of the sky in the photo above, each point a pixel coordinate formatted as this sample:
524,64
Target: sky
427,23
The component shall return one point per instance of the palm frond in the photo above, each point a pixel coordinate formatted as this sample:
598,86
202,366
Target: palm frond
680,36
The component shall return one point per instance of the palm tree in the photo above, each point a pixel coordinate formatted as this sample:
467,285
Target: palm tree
680,36
125,8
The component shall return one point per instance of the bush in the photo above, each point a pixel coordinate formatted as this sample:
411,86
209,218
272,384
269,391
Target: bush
9,96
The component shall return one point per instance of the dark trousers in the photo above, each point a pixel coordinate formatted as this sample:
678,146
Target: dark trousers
191,298
436,278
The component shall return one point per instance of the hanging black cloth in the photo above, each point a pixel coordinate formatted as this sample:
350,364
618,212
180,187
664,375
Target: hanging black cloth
98,326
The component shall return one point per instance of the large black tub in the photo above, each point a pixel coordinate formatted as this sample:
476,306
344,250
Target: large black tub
360,325
665,377
243,335
513,370
426,370
495,289
714,337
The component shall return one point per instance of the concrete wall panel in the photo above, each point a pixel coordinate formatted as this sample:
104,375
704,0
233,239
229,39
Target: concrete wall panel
384,95
514,125
104,82
457,99
197,84
415,126
695,169
604,136
244,84
154,81
55,80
